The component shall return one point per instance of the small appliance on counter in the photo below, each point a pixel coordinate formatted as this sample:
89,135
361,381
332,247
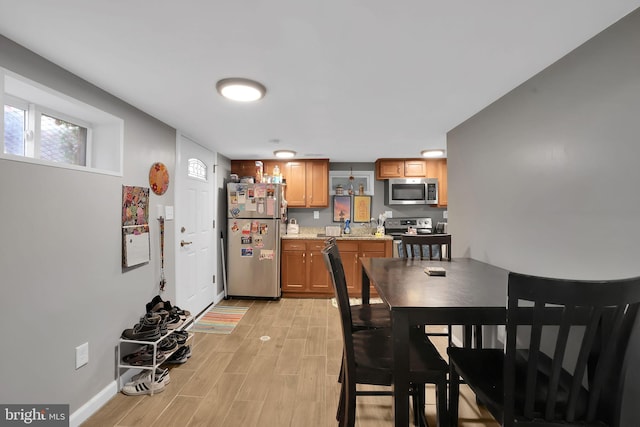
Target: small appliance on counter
293,227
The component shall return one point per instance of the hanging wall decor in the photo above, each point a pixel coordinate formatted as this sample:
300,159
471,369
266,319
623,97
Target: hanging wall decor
159,178
135,226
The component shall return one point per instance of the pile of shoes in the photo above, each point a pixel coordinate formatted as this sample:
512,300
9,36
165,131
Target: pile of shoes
161,322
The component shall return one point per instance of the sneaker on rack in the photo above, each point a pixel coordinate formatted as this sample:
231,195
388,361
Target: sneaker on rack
181,355
144,387
162,374
180,336
147,330
142,332
143,357
174,322
168,344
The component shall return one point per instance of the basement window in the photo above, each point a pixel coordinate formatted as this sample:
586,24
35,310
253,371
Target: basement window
45,127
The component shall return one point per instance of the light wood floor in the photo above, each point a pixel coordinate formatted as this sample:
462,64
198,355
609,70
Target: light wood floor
240,380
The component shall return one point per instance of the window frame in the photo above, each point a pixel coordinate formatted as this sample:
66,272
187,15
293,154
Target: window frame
34,98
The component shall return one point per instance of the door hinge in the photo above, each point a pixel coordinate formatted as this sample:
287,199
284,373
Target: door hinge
213,223
214,278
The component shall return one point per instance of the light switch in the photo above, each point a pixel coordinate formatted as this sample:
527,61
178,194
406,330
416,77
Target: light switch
168,213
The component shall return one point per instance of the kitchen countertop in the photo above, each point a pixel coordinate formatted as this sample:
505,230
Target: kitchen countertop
317,233
314,236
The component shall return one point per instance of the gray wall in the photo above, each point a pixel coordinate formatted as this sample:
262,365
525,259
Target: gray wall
305,216
60,258
545,180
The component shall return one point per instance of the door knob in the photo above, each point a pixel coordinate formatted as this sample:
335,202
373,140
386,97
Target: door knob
183,243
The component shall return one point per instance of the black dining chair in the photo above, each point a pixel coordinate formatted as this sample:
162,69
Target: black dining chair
413,246
367,358
565,354
366,316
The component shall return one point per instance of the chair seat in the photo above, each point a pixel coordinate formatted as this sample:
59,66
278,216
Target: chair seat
368,316
372,348
483,371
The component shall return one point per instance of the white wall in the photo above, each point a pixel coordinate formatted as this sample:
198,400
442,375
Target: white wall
545,180
60,253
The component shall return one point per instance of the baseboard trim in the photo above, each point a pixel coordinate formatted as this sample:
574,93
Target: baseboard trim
93,405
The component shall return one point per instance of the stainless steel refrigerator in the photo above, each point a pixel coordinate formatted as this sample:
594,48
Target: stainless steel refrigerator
254,213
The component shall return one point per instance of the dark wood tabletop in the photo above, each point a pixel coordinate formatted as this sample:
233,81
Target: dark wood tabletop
471,293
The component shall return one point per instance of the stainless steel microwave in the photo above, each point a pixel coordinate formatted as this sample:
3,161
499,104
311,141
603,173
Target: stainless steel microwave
411,191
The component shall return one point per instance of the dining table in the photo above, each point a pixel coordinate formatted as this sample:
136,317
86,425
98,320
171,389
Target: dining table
470,293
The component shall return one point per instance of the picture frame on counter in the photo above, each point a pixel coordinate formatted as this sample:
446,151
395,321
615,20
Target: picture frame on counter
361,208
341,208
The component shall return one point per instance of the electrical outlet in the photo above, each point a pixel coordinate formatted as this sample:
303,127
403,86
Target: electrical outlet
82,355
445,215
316,214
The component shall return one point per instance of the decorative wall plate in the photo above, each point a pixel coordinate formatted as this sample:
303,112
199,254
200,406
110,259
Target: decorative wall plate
158,178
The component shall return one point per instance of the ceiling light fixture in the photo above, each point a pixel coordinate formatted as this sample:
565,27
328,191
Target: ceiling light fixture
240,89
432,153
284,154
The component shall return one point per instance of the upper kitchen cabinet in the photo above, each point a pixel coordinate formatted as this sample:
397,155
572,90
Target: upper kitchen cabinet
243,167
437,168
307,183
401,168
416,168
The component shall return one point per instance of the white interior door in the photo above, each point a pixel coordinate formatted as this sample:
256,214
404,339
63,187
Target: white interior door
196,253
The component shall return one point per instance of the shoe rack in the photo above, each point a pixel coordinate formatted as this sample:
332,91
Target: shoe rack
154,344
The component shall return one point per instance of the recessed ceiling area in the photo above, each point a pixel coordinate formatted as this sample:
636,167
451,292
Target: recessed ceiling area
349,80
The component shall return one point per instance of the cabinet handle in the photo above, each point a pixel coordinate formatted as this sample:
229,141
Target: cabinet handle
304,255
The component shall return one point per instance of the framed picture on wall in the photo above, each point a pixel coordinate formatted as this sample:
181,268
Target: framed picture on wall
341,208
361,208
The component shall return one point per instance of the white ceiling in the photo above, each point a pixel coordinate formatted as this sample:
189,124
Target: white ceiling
352,80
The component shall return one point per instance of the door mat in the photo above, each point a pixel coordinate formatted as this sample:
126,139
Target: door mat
356,301
219,320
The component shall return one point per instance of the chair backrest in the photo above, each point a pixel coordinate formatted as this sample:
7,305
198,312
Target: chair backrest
333,262
566,348
414,243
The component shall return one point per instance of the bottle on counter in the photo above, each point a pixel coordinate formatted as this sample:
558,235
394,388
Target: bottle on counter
347,228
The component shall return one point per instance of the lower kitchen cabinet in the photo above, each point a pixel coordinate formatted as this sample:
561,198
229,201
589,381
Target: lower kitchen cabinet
304,274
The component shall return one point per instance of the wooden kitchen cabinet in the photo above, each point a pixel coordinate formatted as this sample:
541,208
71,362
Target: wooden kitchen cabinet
307,180
243,168
349,253
401,168
437,168
415,168
307,183
389,168
302,269
304,274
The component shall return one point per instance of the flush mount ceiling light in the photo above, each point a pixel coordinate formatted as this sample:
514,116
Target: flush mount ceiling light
239,89
284,154
432,153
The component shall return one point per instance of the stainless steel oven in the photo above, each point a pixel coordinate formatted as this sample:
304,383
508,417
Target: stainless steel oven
396,227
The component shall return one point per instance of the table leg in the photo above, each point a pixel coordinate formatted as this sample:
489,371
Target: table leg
400,337
366,287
